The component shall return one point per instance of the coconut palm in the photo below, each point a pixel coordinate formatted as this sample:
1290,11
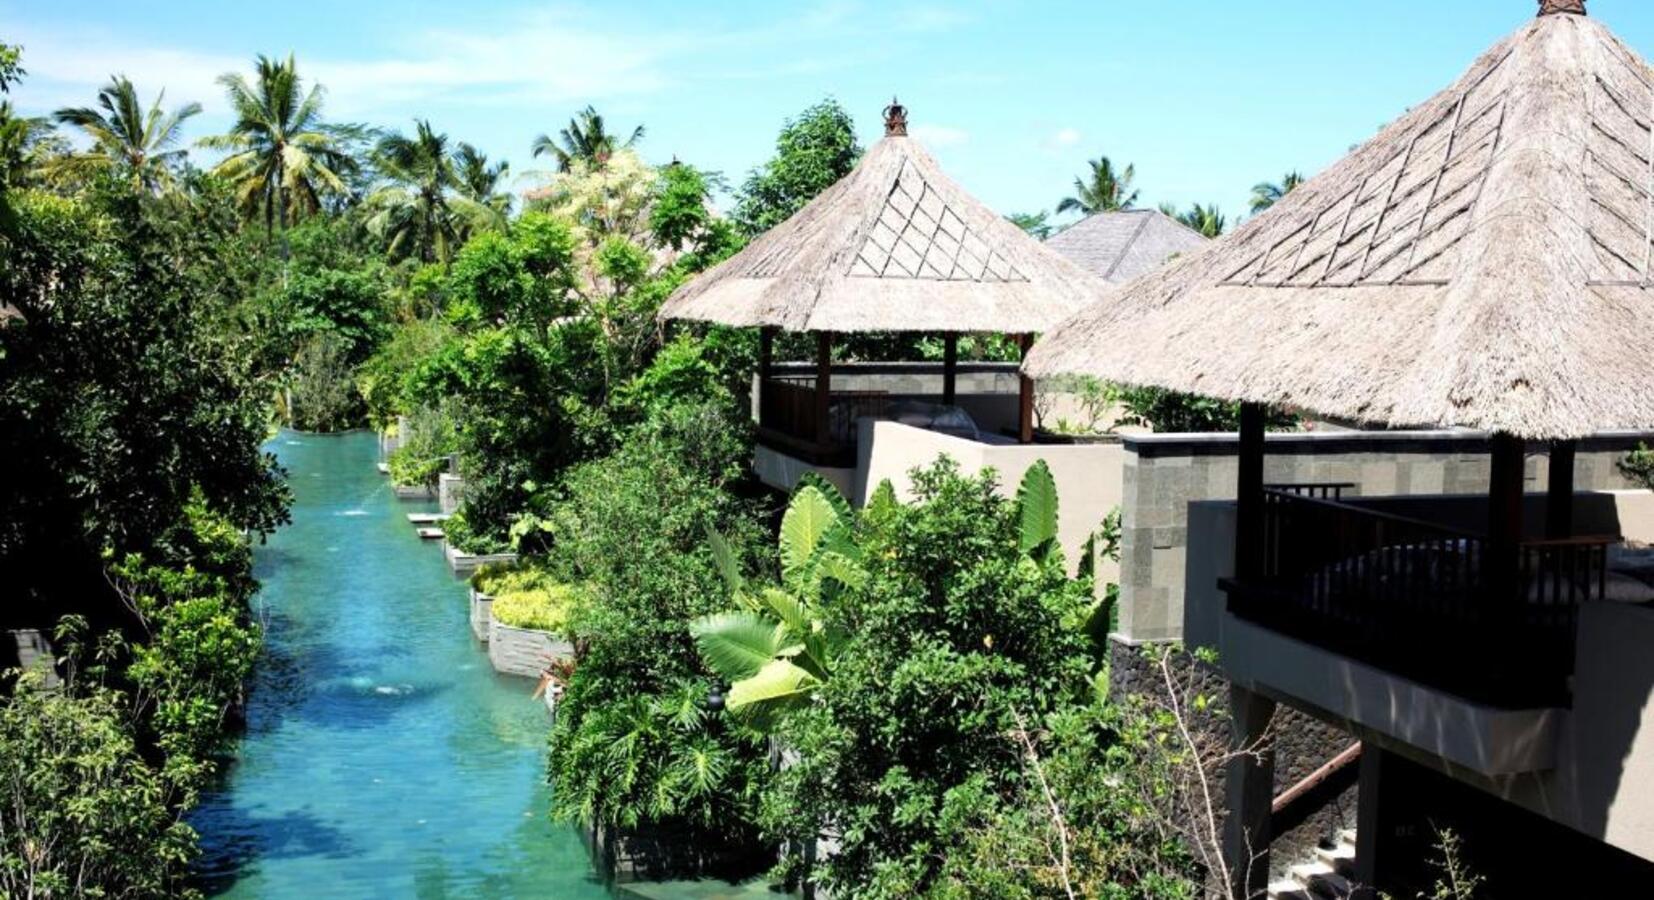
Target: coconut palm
424,210
141,144
480,180
1205,219
1103,190
586,138
1266,194
284,160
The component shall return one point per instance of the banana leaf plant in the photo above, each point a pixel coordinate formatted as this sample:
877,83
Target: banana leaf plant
775,648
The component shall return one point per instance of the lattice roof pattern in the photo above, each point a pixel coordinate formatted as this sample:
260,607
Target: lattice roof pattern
1485,261
895,246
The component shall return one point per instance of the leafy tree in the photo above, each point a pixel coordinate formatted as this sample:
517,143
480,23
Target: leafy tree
1207,220
1036,224
1102,189
284,159
607,201
140,144
424,210
1266,194
1178,413
11,66
813,152
480,180
586,139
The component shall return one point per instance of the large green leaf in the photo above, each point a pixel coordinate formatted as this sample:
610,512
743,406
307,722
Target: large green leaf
737,644
829,490
724,557
845,571
778,685
787,608
807,521
1037,508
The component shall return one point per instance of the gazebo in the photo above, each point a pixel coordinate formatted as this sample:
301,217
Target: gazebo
895,246
1484,262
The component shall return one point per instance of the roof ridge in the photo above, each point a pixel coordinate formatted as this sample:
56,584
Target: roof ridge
1129,243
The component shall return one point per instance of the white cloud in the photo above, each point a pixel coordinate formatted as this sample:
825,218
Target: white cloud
939,135
1066,137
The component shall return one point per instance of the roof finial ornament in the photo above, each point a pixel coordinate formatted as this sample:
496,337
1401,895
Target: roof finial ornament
1553,7
895,119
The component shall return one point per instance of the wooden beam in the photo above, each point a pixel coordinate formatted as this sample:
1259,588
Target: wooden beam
1025,399
766,367
950,366
1559,490
824,387
1504,525
1250,785
1249,494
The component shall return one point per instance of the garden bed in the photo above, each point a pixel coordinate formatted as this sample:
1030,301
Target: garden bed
524,651
462,563
413,491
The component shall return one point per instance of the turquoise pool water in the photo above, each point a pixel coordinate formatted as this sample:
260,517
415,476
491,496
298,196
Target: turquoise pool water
383,757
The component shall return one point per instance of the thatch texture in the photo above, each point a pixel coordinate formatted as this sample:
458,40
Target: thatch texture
1485,261
1120,246
894,246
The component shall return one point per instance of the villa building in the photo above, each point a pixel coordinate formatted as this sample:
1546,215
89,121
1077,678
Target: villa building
1120,246
1484,263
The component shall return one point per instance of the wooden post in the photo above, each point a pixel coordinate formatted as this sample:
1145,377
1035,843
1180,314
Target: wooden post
1368,822
1025,400
950,366
1249,494
1559,490
824,388
1251,788
1504,524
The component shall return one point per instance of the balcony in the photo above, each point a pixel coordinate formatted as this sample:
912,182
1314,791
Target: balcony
1428,601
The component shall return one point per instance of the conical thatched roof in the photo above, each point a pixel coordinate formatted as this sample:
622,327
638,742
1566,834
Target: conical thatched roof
1120,246
1485,261
894,246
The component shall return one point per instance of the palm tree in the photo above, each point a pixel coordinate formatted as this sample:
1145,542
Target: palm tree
1266,194
138,143
480,181
283,158
585,138
1205,219
1105,190
425,210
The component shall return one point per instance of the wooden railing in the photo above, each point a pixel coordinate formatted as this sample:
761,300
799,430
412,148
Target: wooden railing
789,419
1423,600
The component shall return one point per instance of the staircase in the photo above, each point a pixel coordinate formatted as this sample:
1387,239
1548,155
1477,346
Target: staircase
1329,877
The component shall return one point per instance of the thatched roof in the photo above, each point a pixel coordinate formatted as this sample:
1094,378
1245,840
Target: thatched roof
1119,246
894,246
1486,261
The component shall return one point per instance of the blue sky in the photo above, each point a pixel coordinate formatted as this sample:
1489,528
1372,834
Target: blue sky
1206,97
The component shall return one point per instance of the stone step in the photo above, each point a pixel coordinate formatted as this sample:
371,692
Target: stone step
1321,880
1340,858
1288,889
1347,836
429,534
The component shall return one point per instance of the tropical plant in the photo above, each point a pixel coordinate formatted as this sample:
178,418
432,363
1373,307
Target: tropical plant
774,648
480,180
1267,193
1102,189
140,145
605,201
1638,465
1207,220
283,158
1179,413
536,603
586,139
424,210
1037,224
813,152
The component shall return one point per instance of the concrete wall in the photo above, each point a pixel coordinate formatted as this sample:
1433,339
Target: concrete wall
522,651
1163,474
1087,475
482,607
450,492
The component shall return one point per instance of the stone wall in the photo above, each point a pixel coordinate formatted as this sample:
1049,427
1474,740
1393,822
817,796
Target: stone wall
523,651
482,607
1163,474
450,491
29,648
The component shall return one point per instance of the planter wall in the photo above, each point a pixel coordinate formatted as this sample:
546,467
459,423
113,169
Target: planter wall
413,492
462,563
523,651
481,614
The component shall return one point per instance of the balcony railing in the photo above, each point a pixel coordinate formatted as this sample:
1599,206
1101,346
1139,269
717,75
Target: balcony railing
1429,602
789,419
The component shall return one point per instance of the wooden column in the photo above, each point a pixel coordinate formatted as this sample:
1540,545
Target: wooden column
1251,789
824,388
950,366
1025,401
1249,494
1368,822
1504,520
1559,490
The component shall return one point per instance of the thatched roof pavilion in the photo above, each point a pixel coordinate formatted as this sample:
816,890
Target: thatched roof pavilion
895,246
1120,246
1485,261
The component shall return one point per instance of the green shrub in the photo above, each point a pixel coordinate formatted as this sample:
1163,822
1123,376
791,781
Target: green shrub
1638,466
433,434
528,597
